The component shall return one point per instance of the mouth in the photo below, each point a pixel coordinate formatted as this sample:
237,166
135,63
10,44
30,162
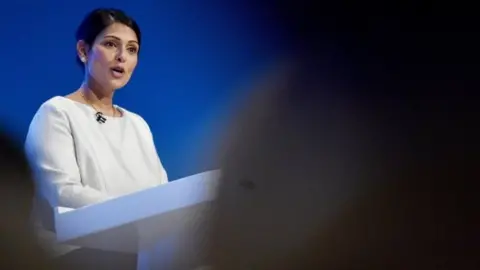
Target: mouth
118,71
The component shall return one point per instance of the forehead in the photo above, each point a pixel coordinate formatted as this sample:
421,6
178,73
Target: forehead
119,31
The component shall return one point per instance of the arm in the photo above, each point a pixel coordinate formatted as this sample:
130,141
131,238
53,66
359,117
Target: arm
162,173
50,149
163,178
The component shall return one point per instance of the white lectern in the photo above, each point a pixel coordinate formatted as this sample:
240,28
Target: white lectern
165,225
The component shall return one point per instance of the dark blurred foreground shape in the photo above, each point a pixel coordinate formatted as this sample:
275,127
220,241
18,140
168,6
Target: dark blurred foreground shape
359,151
19,248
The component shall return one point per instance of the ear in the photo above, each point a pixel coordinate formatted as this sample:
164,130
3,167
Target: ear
82,51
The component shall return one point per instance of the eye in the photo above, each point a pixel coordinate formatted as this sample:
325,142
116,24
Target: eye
132,50
109,44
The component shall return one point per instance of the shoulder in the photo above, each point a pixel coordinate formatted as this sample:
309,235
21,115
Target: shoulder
135,118
55,105
56,111
51,118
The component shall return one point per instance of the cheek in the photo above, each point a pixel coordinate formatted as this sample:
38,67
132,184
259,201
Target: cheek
101,57
98,63
132,65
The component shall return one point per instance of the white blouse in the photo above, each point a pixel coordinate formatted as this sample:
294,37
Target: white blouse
78,161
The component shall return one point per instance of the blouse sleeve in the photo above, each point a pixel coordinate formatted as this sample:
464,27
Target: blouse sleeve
162,173
163,178
50,149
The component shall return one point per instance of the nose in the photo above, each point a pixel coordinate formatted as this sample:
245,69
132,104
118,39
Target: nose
120,57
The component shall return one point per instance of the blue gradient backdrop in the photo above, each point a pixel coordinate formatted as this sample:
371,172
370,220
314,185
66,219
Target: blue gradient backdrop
196,58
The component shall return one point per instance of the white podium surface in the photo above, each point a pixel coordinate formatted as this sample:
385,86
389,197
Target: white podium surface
165,225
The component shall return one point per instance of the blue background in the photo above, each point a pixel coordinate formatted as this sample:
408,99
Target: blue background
197,57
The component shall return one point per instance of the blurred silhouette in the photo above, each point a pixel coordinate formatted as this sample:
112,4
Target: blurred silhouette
359,150
18,245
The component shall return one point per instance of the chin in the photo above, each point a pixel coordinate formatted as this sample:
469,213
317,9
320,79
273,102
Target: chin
117,84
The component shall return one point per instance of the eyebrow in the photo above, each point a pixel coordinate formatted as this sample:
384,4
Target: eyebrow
117,38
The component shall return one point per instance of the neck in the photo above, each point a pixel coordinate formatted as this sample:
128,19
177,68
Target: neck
97,96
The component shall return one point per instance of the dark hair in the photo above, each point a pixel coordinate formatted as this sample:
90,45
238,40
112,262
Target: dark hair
99,19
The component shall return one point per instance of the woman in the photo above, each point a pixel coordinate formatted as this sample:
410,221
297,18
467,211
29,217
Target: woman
82,147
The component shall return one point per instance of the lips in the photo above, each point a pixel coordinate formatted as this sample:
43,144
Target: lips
118,72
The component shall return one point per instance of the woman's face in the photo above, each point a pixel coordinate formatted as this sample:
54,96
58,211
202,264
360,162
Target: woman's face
113,56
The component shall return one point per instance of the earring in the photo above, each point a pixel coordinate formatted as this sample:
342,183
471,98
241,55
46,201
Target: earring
83,59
